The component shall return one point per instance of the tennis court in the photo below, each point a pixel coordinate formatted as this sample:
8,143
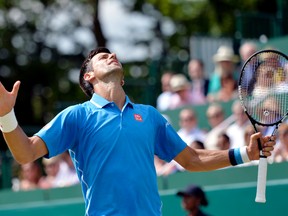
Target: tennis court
230,191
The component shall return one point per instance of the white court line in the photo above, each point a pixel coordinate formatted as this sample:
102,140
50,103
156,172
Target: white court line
59,202
231,186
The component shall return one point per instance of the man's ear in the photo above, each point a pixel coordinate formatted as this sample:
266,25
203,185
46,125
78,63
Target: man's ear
122,82
88,76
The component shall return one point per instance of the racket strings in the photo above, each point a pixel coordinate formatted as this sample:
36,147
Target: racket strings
263,87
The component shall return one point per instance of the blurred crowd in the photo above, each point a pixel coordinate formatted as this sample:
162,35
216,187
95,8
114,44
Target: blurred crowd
46,173
199,87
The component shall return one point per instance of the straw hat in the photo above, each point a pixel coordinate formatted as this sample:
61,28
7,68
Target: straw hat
225,53
179,82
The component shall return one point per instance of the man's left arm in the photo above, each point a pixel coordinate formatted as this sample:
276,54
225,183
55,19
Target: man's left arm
205,160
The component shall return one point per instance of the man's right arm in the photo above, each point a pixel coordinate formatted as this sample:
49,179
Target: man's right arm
23,148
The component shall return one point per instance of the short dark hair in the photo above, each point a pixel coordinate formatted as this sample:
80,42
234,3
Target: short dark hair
87,87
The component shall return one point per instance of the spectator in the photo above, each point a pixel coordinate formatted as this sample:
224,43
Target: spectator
159,165
196,144
199,83
246,50
227,92
189,130
52,170
165,169
225,65
281,149
249,130
68,169
182,91
193,198
264,82
218,124
189,133
223,141
164,98
237,129
59,173
30,176
215,115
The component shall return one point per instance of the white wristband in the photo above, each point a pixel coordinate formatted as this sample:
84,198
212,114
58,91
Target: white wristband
244,155
8,122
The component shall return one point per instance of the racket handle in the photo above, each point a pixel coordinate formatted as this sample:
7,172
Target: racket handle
261,181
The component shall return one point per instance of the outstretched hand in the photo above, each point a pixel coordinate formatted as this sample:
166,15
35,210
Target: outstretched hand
268,143
8,99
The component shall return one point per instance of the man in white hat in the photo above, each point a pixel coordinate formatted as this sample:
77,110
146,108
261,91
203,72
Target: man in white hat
181,89
225,65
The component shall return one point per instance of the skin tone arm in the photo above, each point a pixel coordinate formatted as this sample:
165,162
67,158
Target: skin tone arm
205,160
24,149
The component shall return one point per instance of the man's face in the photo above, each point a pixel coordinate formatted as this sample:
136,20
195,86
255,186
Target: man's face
105,64
189,203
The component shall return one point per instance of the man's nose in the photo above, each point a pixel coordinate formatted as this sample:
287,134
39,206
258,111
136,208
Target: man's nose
113,55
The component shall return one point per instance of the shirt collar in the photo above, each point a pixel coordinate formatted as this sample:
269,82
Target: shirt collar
100,102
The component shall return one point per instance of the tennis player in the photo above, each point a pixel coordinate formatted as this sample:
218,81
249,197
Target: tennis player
112,142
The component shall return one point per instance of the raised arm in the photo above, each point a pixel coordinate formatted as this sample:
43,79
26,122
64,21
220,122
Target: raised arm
205,160
24,149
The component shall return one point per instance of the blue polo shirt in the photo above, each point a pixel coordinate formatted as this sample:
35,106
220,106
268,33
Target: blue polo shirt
113,153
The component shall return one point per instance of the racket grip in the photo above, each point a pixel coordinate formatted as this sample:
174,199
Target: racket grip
261,181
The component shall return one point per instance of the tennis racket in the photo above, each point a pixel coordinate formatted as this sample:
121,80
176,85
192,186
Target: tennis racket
263,92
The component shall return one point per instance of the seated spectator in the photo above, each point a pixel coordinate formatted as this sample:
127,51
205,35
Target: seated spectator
181,88
68,169
225,65
165,169
159,165
218,124
58,172
193,198
249,130
246,50
52,170
163,100
189,130
196,144
227,92
264,82
30,176
199,83
215,115
223,141
236,130
280,153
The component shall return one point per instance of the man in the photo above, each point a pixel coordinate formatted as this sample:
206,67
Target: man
193,197
189,130
112,142
199,83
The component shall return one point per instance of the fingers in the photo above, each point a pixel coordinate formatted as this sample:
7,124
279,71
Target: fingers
256,135
16,87
268,145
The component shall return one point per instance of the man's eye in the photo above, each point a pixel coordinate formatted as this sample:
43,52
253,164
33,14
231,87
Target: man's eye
103,57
